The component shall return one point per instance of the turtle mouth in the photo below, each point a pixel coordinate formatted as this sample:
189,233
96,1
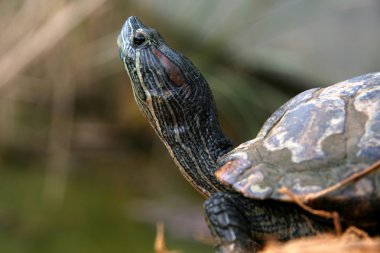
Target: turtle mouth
134,24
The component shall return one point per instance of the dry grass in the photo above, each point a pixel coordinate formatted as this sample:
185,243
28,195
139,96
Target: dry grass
35,40
352,241
160,243
325,244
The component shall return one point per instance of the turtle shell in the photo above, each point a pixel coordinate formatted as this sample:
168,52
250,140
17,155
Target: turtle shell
314,141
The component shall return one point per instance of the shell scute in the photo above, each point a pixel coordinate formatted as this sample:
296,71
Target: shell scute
303,129
368,102
231,170
271,121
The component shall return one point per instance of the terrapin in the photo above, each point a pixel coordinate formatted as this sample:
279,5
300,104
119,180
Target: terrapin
317,139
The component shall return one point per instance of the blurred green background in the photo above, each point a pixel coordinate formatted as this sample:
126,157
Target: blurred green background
81,170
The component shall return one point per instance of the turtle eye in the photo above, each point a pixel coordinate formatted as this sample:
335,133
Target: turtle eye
139,38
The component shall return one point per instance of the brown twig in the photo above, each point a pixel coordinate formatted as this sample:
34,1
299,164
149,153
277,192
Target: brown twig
325,214
301,200
356,232
344,182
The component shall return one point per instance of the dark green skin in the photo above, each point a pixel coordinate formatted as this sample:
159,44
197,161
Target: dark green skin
243,208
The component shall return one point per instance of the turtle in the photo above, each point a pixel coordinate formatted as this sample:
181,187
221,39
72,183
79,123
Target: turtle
316,140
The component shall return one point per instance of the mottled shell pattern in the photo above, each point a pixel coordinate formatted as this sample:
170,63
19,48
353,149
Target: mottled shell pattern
315,140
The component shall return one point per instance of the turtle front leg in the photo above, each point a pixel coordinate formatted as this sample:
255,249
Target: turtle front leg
242,225
228,225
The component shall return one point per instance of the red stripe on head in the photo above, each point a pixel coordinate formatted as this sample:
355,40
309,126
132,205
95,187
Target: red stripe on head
171,69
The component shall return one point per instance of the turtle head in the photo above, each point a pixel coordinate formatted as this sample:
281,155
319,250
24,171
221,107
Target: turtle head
176,100
168,88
